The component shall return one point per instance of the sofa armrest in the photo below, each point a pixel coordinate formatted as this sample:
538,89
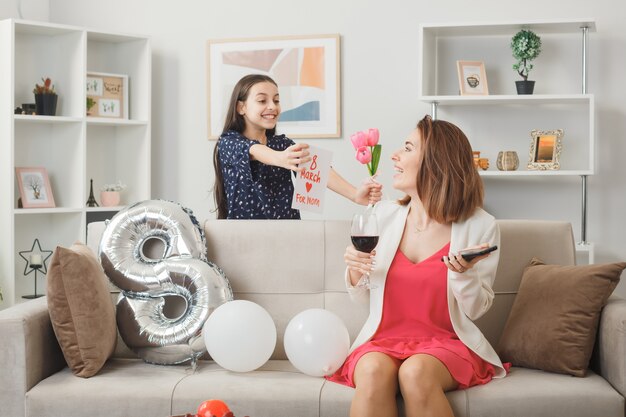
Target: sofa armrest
29,353
611,347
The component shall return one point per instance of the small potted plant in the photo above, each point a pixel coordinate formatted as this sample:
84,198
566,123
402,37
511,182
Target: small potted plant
526,46
110,194
45,98
90,103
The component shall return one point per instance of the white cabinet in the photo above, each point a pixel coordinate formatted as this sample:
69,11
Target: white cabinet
503,120
72,147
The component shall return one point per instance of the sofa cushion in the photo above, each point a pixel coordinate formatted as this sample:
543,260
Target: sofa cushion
529,392
554,318
122,388
82,315
275,389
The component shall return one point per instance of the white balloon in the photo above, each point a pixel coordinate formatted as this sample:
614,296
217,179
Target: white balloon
240,335
316,342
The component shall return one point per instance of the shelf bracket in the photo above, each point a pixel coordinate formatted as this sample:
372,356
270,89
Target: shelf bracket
585,29
583,220
583,216
433,109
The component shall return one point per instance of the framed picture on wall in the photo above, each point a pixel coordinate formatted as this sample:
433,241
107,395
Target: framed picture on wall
107,95
472,78
545,149
306,69
34,186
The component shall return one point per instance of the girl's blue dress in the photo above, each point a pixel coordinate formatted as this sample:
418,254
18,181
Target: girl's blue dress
255,190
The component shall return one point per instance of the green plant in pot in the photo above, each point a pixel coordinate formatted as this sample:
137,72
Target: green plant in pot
90,103
526,46
45,98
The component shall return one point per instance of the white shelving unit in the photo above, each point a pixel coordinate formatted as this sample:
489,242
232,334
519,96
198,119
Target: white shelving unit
503,120
72,147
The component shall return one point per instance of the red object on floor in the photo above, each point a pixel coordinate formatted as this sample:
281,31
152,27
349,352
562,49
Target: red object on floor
213,408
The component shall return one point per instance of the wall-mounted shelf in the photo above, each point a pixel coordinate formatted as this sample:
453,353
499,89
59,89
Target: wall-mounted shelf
73,147
505,99
503,120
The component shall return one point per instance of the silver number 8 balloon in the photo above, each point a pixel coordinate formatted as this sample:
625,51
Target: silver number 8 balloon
155,253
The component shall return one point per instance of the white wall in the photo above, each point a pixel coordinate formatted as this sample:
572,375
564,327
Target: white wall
379,89
30,9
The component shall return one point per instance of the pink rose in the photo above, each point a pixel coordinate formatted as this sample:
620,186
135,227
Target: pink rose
364,155
359,139
372,137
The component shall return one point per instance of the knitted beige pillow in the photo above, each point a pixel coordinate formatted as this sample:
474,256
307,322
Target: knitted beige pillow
554,318
80,307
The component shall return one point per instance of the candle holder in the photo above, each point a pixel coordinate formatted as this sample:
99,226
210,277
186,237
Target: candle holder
35,261
35,295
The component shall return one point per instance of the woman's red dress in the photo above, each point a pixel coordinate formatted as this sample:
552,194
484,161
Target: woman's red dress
416,320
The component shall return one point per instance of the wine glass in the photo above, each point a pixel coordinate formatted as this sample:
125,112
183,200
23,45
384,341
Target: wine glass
364,236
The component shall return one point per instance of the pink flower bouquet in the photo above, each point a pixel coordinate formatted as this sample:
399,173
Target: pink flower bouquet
367,148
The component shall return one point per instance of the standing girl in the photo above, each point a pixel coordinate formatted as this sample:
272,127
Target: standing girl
252,163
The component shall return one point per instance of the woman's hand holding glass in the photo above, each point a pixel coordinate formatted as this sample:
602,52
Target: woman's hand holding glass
360,264
360,256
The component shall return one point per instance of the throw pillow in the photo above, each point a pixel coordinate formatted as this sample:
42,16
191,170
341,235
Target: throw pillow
554,318
80,307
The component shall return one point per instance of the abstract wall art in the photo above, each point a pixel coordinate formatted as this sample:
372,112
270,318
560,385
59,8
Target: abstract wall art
306,70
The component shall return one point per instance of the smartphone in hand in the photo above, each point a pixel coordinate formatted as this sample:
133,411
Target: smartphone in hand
470,255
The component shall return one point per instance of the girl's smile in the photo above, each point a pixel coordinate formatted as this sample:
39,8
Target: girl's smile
260,110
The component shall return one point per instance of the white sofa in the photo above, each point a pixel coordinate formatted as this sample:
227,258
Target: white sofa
287,267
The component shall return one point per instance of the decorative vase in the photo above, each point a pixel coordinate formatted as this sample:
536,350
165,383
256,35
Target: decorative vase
109,198
476,157
507,161
525,87
46,104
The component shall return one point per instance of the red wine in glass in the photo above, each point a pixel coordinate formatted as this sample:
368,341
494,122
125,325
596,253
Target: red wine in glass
364,236
364,243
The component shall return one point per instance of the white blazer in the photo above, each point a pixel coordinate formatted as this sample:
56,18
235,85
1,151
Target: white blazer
470,294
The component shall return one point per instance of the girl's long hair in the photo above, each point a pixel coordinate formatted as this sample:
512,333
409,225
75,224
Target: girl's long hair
234,121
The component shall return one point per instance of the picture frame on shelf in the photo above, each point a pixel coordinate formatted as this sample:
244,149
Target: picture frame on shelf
306,69
107,95
472,78
545,149
34,187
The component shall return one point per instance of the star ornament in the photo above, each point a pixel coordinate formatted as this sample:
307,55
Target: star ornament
45,254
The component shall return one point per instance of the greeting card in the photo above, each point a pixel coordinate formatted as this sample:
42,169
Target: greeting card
310,184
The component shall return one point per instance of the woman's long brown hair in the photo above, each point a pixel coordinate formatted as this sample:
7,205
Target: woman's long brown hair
448,183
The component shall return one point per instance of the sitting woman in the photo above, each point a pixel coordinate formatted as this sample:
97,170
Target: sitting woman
419,338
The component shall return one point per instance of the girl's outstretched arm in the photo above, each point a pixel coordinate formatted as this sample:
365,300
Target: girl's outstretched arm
293,158
369,191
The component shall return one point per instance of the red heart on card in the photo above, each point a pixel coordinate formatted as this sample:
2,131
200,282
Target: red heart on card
308,186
